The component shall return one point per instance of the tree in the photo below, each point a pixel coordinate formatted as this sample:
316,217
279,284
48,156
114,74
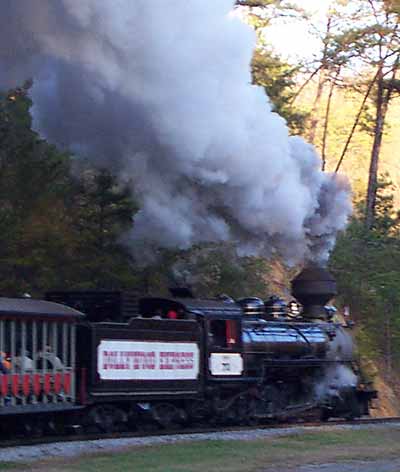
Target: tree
106,208
269,71
257,3
277,79
100,212
323,67
365,263
57,230
33,180
373,43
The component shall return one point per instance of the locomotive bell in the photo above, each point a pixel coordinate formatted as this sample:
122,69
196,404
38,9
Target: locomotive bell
275,307
252,306
313,288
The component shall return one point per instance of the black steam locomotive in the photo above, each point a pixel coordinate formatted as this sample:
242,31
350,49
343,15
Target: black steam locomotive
110,360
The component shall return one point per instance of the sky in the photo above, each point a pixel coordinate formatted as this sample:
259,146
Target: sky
293,38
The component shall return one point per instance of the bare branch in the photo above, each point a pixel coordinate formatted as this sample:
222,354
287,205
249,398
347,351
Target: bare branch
326,122
251,3
372,83
304,85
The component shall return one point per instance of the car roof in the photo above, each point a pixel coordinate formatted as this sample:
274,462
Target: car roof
38,308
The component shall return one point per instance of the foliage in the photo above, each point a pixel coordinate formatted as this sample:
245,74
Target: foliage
366,264
269,70
215,269
56,230
278,80
257,3
207,269
371,42
60,231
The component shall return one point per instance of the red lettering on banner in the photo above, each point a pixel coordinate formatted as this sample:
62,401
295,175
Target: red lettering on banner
171,360
126,360
142,360
136,360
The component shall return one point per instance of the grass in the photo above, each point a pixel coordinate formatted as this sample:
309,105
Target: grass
10,466
236,456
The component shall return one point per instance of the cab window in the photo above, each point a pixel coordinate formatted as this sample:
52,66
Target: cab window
223,333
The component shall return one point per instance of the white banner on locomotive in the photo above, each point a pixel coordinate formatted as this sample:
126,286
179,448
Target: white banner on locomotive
226,364
134,360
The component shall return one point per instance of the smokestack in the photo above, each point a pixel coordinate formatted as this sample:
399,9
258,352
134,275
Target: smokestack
313,288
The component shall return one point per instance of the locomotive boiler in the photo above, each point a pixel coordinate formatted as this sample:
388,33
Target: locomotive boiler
113,360
304,361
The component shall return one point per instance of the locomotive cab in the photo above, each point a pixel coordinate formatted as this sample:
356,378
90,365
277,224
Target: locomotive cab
224,346
221,328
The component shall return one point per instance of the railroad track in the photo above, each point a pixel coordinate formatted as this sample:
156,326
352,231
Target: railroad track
74,437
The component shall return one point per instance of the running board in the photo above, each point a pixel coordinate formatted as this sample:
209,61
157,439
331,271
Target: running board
293,409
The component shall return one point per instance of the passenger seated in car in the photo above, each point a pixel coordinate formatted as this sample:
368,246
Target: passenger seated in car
172,315
5,364
49,359
24,362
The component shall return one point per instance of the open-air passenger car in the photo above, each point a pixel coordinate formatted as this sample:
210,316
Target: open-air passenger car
37,356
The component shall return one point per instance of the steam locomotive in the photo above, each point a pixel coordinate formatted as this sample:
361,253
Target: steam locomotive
112,361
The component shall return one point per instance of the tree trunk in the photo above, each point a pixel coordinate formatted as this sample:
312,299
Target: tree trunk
314,112
326,122
320,88
382,105
388,342
356,121
304,84
376,147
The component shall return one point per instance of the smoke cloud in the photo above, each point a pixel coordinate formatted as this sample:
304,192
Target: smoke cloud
159,91
336,378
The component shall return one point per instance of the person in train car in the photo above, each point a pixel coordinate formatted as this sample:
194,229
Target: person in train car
24,362
5,364
49,358
172,315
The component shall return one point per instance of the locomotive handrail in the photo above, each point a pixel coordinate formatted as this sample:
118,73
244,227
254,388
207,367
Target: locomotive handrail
302,362
303,336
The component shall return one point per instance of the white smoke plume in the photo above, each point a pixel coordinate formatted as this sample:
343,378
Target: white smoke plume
159,91
336,378
341,347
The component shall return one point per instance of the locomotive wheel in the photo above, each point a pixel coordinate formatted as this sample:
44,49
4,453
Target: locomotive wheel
246,411
168,415
32,428
251,413
355,408
198,411
325,414
108,418
275,400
